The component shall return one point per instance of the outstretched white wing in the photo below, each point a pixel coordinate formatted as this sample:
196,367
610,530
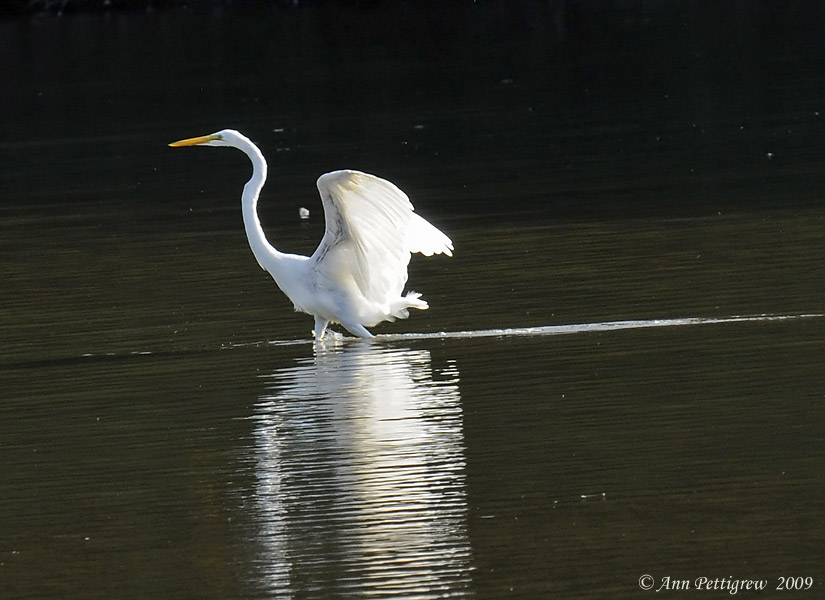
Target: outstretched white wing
371,230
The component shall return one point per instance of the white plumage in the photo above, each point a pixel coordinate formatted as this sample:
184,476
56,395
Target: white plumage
357,274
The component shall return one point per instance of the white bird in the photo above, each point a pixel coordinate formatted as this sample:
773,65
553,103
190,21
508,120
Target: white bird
357,274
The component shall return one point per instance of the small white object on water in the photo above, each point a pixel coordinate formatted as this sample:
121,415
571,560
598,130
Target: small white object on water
303,213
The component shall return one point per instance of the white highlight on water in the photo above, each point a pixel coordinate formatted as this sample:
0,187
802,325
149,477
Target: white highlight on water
590,327
547,330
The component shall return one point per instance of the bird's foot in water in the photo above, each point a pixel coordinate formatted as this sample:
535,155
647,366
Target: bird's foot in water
330,337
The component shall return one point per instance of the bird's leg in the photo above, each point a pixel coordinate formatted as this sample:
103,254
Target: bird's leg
358,329
320,328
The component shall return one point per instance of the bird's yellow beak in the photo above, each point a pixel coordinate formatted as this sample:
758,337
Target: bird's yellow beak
195,140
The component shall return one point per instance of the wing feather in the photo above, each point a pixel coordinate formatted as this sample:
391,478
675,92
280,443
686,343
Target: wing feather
371,230
426,239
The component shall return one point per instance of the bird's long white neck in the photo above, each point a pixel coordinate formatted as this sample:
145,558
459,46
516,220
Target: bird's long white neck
260,246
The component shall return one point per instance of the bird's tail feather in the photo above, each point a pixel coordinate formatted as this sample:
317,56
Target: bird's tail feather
400,308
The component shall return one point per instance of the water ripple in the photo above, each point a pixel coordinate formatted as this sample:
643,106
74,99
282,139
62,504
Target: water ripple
543,330
360,467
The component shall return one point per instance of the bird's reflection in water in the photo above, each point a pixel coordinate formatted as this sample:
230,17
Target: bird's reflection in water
360,466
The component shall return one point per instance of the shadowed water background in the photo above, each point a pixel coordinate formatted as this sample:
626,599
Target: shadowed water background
168,430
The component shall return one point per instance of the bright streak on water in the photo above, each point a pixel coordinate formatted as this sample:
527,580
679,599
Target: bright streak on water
590,327
546,330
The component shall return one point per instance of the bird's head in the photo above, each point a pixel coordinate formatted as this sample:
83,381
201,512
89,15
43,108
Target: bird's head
224,137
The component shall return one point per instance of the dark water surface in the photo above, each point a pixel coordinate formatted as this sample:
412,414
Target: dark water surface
620,185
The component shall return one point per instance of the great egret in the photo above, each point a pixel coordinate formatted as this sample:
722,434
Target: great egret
357,274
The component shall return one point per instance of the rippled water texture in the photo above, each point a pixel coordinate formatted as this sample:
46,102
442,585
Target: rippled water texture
377,501
620,373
